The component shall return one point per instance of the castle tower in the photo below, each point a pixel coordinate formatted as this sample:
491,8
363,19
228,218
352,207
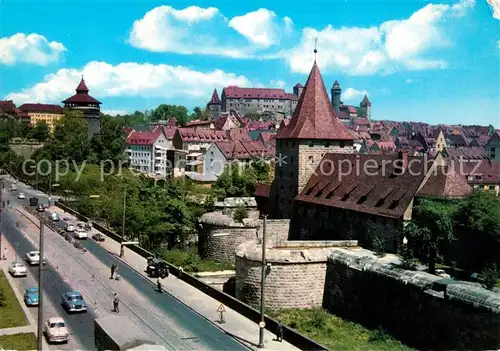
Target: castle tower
313,131
336,92
215,105
85,103
366,108
298,89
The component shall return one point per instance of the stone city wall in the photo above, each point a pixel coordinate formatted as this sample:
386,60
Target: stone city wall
294,279
420,309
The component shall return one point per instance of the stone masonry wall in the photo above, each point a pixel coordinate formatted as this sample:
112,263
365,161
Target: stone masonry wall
276,229
295,279
219,236
418,308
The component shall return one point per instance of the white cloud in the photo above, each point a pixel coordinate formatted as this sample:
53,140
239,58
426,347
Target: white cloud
277,84
129,79
393,45
288,24
114,112
258,27
33,48
495,8
351,94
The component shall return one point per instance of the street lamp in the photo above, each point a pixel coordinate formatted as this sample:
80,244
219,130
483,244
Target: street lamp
40,292
262,323
122,250
36,176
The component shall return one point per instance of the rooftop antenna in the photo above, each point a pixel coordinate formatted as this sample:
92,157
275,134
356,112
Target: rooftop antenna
315,48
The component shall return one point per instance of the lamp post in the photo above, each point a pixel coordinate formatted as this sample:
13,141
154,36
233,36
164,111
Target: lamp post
262,323
40,292
122,250
36,176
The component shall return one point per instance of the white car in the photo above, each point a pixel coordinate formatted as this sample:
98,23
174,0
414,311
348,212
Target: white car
81,234
21,196
17,269
54,216
441,273
33,257
70,228
55,330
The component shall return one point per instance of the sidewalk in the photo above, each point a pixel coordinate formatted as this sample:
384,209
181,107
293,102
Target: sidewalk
240,327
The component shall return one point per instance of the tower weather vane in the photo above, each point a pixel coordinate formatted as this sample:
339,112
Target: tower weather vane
315,47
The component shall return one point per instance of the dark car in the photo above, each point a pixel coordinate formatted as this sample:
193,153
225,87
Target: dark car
73,302
40,208
98,237
157,268
33,201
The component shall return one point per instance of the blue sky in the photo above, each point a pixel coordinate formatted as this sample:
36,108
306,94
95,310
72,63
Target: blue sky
437,62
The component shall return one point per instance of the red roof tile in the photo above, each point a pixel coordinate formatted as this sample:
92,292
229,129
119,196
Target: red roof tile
167,130
143,138
49,108
445,182
7,106
238,134
375,191
220,122
243,149
487,172
234,92
314,117
82,96
362,122
197,123
465,153
202,135
215,98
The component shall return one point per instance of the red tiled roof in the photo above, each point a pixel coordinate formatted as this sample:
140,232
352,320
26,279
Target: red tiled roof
238,134
202,135
82,96
259,125
362,121
445,182
353,109
487,172
386,145
167,130
242,149
466,153
267,137
375,191
215,98
197,123
262,190
7,106
49,108
314,117
220,122
143,138
234,92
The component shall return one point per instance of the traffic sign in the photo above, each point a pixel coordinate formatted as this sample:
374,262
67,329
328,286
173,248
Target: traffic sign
262,324
221,308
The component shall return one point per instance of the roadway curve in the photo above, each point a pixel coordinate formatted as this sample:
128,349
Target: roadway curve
165,319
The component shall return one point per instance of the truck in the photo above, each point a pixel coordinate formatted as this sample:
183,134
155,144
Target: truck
33,201
115,332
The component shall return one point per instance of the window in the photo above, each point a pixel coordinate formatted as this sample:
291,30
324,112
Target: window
311,158
291,159
311,143
342,144
327,144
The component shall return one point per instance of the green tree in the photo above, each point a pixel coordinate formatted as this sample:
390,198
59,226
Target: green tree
164,112
235,181
378,245
432,229
109,143
240,213
478,229
40,132
201,114
262,169
489,276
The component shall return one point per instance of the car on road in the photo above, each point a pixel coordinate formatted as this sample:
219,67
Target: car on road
33,258
80,233
21,196
98,237
13,187
70,228
442,273
40,208
33,201
73,302
17,269
55,216
31,297
55,330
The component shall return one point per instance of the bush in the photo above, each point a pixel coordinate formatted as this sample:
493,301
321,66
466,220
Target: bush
240,213
489,276
191,262
378,245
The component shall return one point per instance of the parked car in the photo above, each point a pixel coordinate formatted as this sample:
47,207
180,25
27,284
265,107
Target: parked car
441,273
98,237
73,302
13,187
55,330
17,269
33,258
80,233
55,216
31,297
21,196
33,201
40,208
70,227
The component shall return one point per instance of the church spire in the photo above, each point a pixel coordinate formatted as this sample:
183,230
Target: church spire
82,87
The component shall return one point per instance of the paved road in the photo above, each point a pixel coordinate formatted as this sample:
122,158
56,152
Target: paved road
166,320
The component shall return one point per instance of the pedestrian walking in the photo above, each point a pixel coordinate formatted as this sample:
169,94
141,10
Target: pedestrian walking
4,253
113,270
279,332
158,285
116,302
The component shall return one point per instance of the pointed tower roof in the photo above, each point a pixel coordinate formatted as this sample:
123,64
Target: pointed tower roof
298,85
336,85
314,117
82,87
365,102
215,98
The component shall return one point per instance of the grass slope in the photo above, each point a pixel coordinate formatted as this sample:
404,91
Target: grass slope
11,312
25,341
